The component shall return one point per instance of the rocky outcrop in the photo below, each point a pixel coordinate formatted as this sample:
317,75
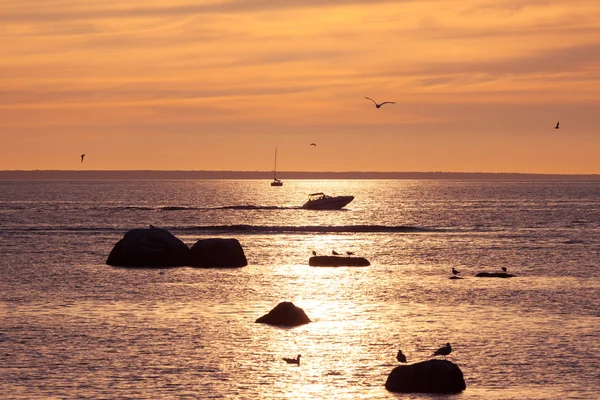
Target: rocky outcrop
432,376
285,314
337,261
153,247
494,275
217,253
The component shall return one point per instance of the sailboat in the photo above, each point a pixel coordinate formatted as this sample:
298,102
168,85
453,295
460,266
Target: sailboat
276,182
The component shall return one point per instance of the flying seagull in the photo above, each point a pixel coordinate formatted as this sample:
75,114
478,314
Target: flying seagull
455,272
313,144
443,351
380,104
293,360
83,155
400,356
557,125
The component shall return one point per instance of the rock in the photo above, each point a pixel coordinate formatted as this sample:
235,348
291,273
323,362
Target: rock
285,314
455,277
494,275
154,247
217,253
335,261
431,376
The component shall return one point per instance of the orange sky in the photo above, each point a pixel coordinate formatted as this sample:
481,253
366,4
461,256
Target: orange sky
216,85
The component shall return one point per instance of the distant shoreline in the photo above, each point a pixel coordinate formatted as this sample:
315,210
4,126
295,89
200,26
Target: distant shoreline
268,175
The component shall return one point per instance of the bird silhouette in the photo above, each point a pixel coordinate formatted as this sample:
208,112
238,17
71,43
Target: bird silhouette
503,269
455,272
314,253
335,253
313,144
292,360
350,253
443,351
401,357
557,125
380,104
83,155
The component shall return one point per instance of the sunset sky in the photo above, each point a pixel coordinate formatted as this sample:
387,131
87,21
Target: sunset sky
217,85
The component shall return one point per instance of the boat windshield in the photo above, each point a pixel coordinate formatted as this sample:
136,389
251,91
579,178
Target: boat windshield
316,196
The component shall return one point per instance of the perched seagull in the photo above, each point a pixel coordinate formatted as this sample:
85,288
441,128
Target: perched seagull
400,356
292,360
455,272
379,105
83,155
313,144
557,127
350,253
503,269
314,253
335,253
443,351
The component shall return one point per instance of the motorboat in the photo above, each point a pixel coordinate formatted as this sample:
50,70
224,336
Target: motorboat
321,201
276,182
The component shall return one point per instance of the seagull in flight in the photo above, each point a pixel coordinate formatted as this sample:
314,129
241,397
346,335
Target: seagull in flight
557,127
83,155
380,104
313,144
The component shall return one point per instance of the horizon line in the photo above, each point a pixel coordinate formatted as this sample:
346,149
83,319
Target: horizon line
235,174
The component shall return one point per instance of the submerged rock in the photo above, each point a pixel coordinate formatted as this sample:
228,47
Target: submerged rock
217,253
337,261
153,247
494,275
285,314
431,376
455,277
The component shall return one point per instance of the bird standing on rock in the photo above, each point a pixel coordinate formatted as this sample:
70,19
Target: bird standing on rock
401,357
314,253
443,351
83,155
455,272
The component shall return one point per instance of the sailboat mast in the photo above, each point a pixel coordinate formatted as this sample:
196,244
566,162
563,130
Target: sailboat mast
275,168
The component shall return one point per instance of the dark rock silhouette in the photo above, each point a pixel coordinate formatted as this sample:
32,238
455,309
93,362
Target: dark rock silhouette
335,261
494,275
432,376
217,253
154,247
455,277
285,314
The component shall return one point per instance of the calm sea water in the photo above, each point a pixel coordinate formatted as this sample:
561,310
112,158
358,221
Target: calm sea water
73,327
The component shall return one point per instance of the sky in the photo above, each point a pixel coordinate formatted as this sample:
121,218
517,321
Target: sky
478,85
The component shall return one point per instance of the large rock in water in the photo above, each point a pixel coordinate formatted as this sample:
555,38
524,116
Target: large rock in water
154,247
494,275
431,376
337,261
285,314
220,253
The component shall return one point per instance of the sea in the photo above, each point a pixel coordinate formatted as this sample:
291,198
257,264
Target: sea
72,327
